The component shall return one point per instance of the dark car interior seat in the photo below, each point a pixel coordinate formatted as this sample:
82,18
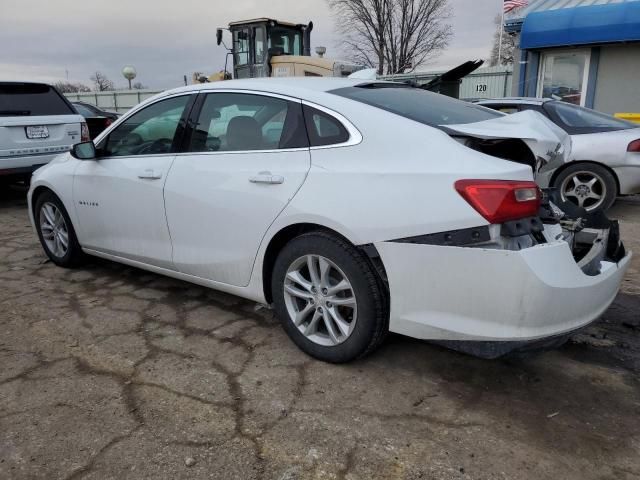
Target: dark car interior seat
244,133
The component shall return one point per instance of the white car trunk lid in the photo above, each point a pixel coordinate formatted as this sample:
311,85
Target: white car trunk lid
549,143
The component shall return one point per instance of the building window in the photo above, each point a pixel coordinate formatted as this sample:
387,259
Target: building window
564,76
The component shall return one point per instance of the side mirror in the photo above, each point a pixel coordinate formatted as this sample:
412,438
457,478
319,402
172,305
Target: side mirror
84,151
219,36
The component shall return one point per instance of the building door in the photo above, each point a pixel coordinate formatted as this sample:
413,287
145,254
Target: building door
564,76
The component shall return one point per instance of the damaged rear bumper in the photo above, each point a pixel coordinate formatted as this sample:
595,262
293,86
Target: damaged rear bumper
503,299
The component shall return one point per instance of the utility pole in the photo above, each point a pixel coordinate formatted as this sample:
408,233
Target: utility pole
501,33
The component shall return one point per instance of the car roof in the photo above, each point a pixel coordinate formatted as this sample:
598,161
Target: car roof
515,100
291,86
24,83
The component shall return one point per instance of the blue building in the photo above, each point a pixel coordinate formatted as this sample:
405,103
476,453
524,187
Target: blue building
582,51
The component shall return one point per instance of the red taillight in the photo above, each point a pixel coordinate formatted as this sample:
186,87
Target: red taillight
501,200
107,122
84,132
634,146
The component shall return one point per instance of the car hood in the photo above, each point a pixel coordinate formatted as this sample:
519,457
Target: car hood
549,143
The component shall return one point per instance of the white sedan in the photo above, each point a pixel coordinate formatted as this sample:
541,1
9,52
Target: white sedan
605,157
354,207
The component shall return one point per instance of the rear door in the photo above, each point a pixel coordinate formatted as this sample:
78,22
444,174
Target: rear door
35,120
246,158
119,196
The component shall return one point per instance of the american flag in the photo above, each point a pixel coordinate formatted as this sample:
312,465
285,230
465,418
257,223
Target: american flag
513,4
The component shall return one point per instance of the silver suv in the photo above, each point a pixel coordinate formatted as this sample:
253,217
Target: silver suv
36,124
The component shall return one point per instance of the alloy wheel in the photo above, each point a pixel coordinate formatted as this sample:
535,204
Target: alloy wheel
320,300
584,188
54,229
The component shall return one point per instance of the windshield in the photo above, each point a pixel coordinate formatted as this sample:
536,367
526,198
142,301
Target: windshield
24,99
580,117
425,107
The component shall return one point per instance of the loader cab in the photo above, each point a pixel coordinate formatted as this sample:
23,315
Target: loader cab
254,42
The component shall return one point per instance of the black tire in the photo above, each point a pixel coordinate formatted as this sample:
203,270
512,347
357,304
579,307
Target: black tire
606,178
372,323
74,255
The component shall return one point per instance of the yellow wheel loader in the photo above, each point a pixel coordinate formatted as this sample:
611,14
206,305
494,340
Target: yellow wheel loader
264,47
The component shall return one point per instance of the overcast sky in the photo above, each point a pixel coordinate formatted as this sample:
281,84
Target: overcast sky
46,40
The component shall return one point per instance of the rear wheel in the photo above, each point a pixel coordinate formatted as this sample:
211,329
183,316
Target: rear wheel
587,185
55,231
328,298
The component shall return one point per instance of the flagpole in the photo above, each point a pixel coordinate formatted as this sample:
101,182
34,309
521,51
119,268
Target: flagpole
501,32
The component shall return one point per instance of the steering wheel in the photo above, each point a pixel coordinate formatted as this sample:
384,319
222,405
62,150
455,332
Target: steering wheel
162,145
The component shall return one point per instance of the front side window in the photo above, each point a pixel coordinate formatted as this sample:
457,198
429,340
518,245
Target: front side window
149,131
241,46
425,107
243,122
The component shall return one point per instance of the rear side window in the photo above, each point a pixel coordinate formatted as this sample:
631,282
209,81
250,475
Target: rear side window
425,107
31,99
323,129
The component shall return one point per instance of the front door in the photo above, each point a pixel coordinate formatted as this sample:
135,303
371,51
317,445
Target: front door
119,195
247,157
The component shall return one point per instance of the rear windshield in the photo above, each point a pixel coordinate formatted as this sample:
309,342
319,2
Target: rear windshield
425,107
24,99
580,117
82,110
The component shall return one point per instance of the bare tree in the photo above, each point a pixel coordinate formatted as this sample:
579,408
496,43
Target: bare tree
394,36
139,86
508,46
68,87
101,82
363,24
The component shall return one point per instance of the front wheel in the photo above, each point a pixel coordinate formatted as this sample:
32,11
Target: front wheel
55,231
328,298
587,185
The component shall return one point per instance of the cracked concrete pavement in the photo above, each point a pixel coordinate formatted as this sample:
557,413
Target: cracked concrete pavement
109,372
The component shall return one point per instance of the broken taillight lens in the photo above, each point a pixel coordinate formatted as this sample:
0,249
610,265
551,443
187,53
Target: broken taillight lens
634,146
84,132
500,201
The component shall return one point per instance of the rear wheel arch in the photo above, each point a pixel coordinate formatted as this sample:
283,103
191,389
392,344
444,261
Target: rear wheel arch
288,233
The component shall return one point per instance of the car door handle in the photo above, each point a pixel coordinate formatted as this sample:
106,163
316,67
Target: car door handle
149,174
266,177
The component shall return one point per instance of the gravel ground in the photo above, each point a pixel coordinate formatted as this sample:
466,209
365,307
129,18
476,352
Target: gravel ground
108,372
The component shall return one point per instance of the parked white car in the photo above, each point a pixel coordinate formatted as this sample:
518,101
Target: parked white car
36,124
355,208
605,158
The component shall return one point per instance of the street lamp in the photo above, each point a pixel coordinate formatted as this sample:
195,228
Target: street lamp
129,72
